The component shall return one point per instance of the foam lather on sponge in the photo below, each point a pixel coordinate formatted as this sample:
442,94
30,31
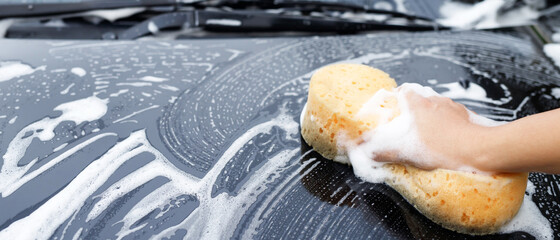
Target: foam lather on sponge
354,111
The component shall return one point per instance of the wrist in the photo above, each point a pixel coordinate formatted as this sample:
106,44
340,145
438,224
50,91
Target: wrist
482,148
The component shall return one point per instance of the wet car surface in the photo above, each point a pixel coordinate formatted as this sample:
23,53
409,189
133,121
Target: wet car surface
200,138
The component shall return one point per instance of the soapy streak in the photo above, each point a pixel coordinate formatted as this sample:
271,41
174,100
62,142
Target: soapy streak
135,113
198,222
431,53
65,91
48,217
365,59
78,111
17,183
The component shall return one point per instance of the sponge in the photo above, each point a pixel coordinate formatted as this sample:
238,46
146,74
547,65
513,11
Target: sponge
465,202
336,94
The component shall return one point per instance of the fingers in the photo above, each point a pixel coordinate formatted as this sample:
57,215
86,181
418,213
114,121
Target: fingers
416,100
388,156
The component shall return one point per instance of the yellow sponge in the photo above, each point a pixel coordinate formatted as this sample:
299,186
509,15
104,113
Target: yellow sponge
464,202
336,94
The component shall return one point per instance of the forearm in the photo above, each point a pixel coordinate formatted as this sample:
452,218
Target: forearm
526,145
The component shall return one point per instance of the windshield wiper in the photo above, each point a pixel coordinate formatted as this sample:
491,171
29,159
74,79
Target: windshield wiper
221,16
255,21
319,6
43,9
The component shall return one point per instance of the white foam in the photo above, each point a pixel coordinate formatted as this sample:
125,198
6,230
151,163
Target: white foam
135,113
55,22
302,116
152,27
73,196
474,92
224,22
531,189
372,108
122,91
135,84
113,14
60,147
400,6
530,220
13,69
13,120
485,14
168,87
153,79
65,91
552,50
234,53
215,217
556,37
78,111
80,72
555,92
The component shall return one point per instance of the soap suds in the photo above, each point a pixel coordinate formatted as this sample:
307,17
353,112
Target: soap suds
224,22
552,50
135,84
60,147
153,79
473,91
135,113
80,72
112,15
65,91
12,120
122,91
152,27
556,37
529,219
555,92
14,69
78,111
168,87
484,15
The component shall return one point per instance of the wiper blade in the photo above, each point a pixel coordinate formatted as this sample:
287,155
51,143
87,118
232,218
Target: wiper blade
41,9
320,6
238,21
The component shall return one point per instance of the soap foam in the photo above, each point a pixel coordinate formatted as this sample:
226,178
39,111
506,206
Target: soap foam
530,220
485,14
215,217
13,69
78,111
80,72
474,91
552,50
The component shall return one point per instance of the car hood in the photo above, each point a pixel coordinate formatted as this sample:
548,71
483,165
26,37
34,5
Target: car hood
200,138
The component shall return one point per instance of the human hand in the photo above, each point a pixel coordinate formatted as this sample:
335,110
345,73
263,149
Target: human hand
444,129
